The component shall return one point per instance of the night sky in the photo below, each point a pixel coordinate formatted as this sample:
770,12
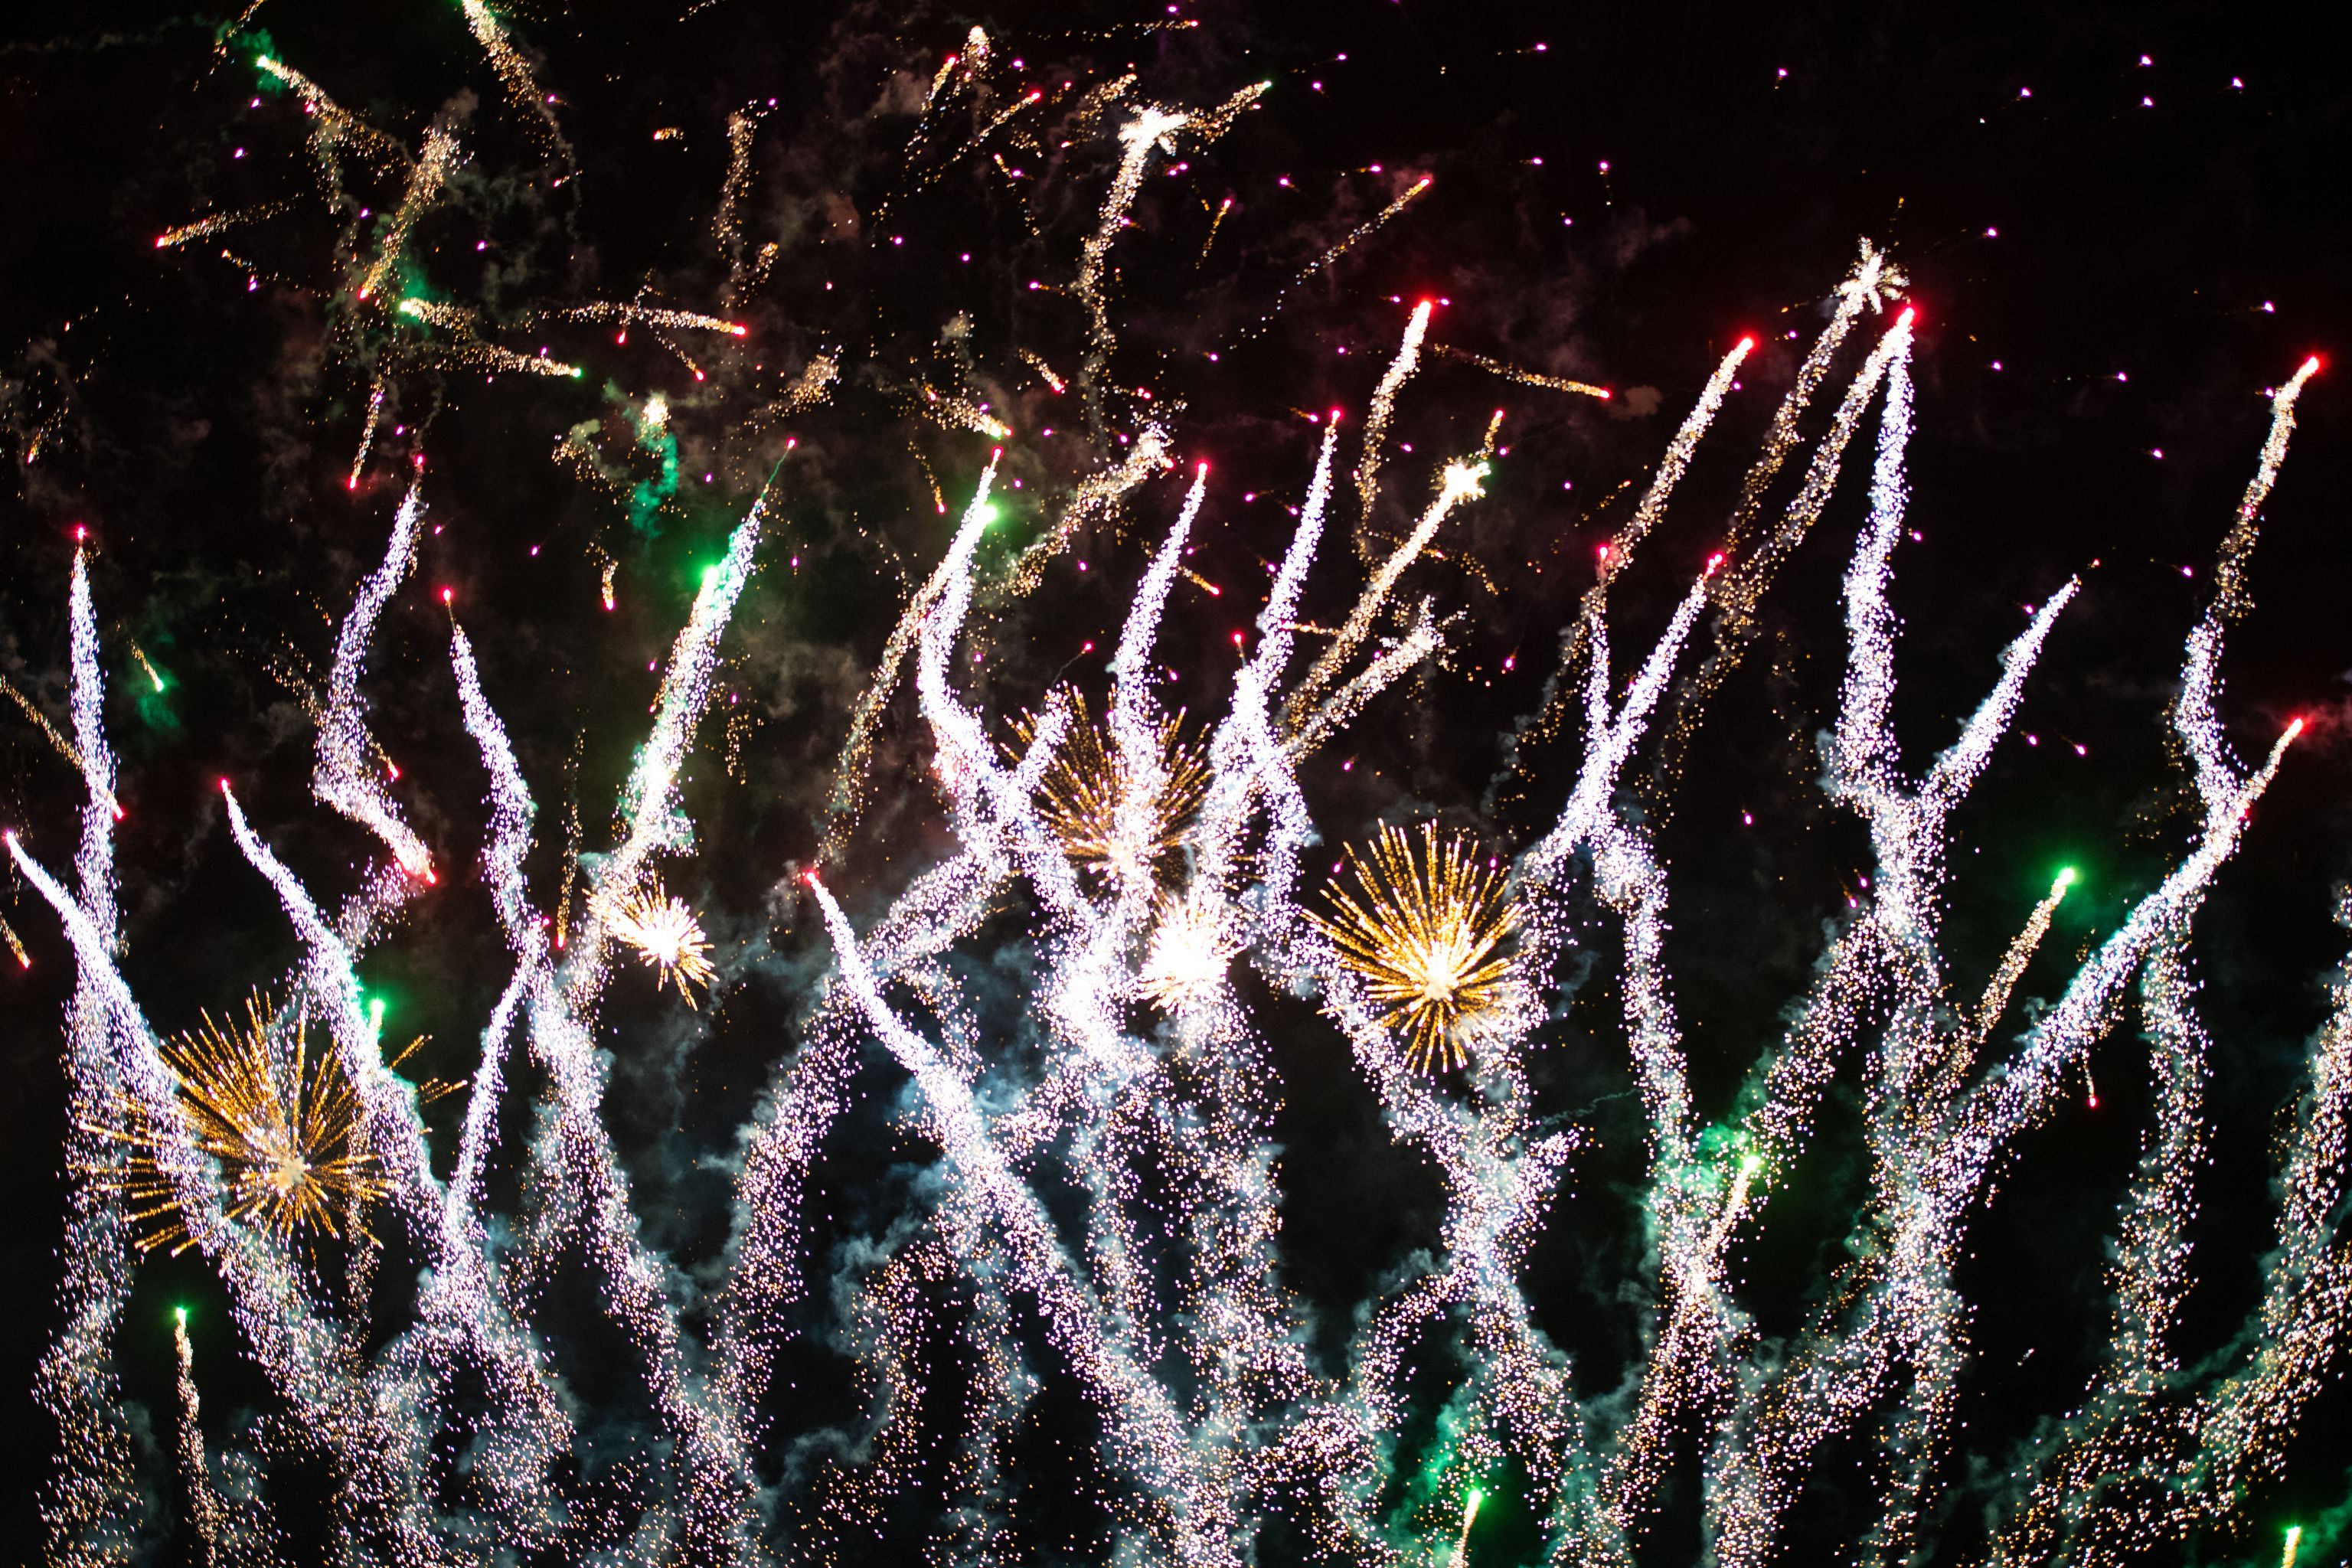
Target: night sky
2119,232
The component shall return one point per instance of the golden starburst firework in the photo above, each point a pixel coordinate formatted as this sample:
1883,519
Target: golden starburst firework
665,934
281,1120
1078,794
1423,926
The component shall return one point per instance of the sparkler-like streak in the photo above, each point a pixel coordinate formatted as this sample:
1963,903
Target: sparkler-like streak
1460,482
1108,1205
1515,373
515,73
1377,414
218,223
432,172
204,1503
65,748
334,127
1153,129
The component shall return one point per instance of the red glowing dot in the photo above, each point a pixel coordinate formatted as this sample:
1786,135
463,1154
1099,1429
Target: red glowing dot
1747,343
224,785
1237,639
2295,729
741,330
2312,364
1713,562
81,533
352,483
444,595
1905,318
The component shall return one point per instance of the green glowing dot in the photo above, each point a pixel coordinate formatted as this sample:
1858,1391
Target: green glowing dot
181,1314
2066,877
1750,1164
710,575
375,1013
1474,1497
990,512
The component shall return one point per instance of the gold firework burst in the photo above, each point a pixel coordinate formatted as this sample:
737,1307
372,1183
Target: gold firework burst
281,1120
665,934
1423,926
1078,794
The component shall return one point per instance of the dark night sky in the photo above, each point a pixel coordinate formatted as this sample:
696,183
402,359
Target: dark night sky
2142,247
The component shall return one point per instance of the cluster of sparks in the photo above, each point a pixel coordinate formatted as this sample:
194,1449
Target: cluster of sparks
667,934
1154,862
1424,931
278,1117
1083,788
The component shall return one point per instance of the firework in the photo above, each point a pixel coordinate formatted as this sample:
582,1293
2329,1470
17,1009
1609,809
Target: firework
279,1117
1081,790
203,1505
1515,373
515,72
1377,415
648,315
1153,129
424,182
65,748
1469,1516
1459,482
1425,928
218,223
332,127
1104,1204
1191,951
470,350
665,933
154,676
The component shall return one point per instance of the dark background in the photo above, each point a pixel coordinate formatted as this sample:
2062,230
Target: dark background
2157,266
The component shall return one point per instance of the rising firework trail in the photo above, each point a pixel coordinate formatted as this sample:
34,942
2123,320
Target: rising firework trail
1017,1182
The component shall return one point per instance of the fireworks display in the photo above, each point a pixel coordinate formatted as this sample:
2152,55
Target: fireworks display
1288,957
